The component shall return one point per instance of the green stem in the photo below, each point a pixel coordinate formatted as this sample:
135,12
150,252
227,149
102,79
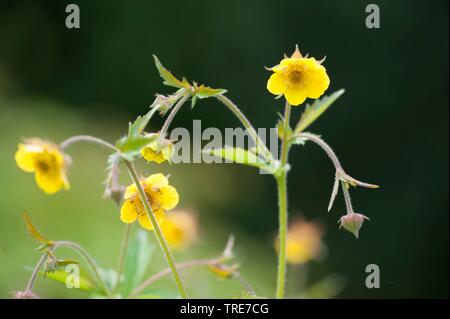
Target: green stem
172,114
35,272
261,146
123,255
89,139
281,179
88,258
157,229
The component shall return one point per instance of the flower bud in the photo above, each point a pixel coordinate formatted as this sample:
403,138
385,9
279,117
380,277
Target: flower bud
352,222
164,103
115,193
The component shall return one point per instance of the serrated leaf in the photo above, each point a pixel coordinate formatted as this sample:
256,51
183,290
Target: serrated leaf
314,111
134,143
237,155
203,92
60,276
168,78
34,232
138,258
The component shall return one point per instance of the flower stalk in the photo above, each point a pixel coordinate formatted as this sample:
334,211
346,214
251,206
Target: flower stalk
143,197
123,255
157,229
281,179
261,146
91,262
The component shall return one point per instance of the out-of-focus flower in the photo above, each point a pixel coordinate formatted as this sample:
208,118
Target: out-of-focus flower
304,242
352,222
298,78
46,161
158,151
180,229
160,194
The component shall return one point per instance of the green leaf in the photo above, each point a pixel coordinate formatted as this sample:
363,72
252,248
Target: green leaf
203,92
132,144
314,111
34,232
168,78
60,276
138,258
237,155
135,139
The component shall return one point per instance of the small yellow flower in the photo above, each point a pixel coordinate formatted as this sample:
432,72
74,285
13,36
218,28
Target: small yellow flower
161,195
298,78
180,229
46,160
304,242
158,151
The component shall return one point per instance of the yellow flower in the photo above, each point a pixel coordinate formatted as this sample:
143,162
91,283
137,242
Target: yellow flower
158,151
160,194
180,229
46,160
304,242
298,78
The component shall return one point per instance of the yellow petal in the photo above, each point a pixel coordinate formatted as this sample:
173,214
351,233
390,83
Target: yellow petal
168,197
65,180
298,252
25,158
128,213
276,84
152,156
316,82
295,95
50,182
157,180
145,221
130,191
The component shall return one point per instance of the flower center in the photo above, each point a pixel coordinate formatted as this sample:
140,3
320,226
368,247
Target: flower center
43,165
139,206
295,76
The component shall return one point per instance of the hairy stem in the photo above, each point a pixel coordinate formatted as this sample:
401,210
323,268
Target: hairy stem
281,179
123,255
261,146
157,229
164,272
36,271
88,258
187,265
172,114
87,138
348,201
333,157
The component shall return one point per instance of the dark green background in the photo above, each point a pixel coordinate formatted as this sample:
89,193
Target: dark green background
390,127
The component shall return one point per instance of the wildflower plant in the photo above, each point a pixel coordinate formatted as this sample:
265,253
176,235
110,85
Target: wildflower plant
148,200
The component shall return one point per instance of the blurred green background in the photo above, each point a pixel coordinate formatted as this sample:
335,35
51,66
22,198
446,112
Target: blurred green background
390,127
